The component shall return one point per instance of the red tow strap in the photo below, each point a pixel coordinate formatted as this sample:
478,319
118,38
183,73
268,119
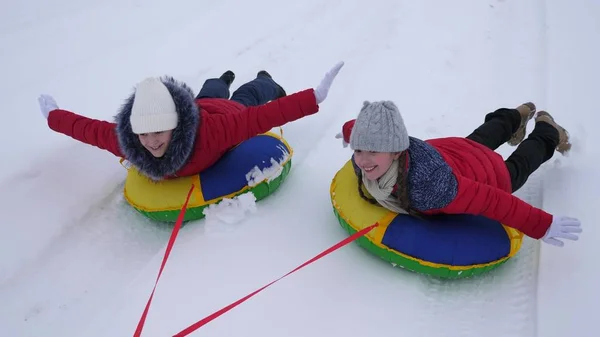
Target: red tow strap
138,330
211,317
216,314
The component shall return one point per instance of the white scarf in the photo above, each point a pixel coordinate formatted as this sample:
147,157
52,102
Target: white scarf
381,189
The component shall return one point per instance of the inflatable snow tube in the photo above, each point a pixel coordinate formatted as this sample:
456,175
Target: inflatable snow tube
258,165
445,246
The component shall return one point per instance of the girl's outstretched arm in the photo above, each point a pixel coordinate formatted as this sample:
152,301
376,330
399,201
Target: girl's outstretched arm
233,129
481,199
229,130
94,132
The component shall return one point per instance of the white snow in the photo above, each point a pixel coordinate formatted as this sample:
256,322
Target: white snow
78,261
229,211
568,293
269,173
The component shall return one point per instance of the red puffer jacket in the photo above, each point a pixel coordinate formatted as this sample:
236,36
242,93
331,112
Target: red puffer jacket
207,129
455,175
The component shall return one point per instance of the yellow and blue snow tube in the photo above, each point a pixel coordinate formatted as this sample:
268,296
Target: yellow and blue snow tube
258,165
446,246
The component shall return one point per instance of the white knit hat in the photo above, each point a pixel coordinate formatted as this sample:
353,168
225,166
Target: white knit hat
153,108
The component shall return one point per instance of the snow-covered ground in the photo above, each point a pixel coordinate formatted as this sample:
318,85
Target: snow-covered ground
78,261
568,278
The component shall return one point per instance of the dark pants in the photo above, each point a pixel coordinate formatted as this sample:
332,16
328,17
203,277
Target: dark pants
256,92
533,151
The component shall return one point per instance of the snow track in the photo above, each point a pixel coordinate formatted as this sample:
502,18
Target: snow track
80,270
497,304
79,261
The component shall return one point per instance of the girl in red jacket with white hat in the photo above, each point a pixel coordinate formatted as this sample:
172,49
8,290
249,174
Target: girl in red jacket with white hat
457,175
165,131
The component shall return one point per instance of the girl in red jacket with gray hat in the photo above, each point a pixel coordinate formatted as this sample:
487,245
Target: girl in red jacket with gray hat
165,131
457,175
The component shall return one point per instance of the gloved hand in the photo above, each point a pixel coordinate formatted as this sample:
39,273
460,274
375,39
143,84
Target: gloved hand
341,136
47,104
323,88
562,227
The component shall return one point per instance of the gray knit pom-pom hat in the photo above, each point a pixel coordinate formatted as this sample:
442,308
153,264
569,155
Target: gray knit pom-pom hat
379,127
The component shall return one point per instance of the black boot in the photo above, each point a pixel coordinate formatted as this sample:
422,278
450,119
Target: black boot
228,77
281,92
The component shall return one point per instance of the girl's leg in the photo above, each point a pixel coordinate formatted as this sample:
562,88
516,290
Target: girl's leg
504,125
217,87
259,91
536,149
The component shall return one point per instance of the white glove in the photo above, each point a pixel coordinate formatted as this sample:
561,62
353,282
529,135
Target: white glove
323,88
341,136
562,227
47,104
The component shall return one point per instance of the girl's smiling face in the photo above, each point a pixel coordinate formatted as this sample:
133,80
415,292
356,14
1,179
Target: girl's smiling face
374,164
156,142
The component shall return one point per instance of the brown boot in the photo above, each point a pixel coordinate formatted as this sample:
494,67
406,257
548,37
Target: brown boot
563,136
526,110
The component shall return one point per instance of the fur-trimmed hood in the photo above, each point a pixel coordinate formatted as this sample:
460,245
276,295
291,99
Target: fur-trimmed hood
182,142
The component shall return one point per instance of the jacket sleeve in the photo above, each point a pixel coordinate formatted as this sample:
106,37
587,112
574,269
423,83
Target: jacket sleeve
94,132
482,199
232,129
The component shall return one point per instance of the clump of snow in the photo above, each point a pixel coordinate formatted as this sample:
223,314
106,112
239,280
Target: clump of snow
233,211
230,211
257,176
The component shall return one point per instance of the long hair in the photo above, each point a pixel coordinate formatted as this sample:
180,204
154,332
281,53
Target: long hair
401,183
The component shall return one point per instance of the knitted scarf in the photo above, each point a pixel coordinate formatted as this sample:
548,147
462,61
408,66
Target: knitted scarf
381,189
